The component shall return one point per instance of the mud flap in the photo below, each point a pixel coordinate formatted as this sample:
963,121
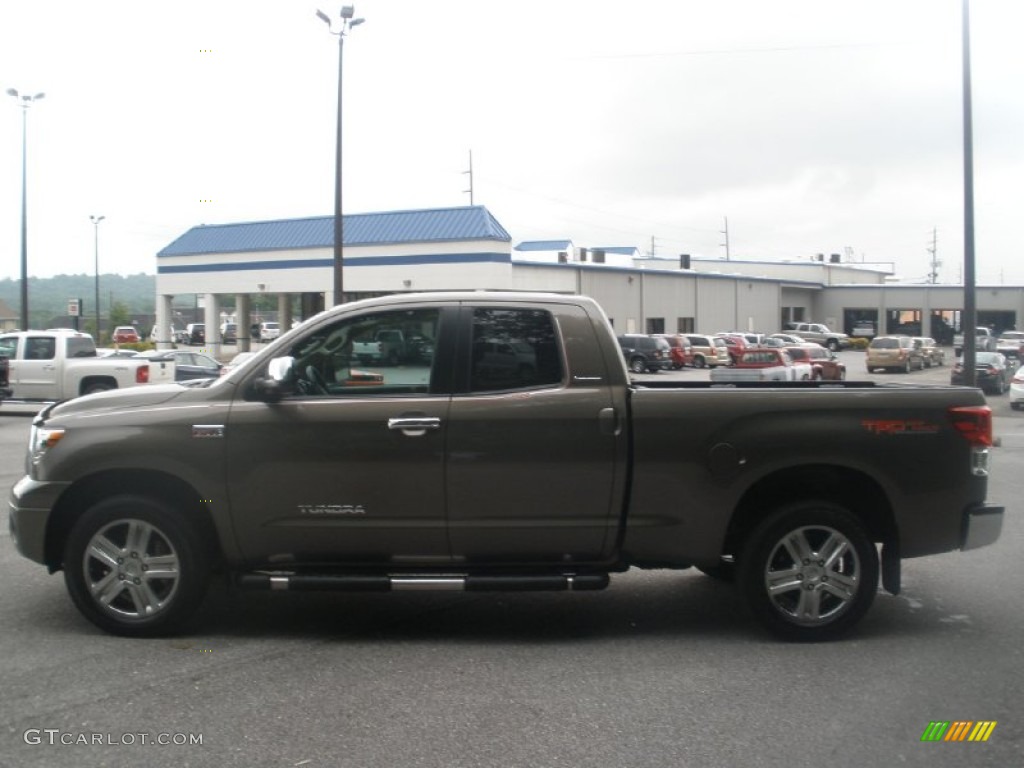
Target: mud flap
891,567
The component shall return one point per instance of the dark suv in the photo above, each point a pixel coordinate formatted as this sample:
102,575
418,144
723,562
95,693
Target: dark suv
645,353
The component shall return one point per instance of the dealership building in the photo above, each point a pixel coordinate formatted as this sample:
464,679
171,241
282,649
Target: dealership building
466,248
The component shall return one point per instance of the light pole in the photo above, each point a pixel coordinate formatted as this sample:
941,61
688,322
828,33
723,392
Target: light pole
25,102
347,22
96,250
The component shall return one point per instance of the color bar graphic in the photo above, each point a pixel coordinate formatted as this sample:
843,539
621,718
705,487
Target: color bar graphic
958,730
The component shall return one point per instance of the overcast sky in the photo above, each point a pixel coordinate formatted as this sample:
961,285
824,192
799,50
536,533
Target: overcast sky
813,126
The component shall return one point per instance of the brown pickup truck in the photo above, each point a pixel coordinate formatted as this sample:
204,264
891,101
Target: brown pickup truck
512,453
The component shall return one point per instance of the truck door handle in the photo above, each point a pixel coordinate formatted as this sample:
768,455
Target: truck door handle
414,426
608,421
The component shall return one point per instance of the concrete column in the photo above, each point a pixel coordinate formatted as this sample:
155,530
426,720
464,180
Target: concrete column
211,319
284,311
164,321
243,314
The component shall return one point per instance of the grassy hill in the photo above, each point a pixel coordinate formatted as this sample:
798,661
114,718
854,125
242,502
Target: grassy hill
48,296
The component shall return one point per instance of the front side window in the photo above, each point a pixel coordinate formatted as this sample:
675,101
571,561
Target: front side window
514,349
387,353
8,346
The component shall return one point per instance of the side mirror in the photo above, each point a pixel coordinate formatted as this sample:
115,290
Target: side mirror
277,383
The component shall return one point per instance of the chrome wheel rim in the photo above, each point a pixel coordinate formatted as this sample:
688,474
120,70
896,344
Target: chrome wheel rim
813,575
132,570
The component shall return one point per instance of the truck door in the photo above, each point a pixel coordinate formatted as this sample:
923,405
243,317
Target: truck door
34,376
350,467
535,461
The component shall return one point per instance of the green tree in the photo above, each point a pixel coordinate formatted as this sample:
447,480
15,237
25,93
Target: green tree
120,314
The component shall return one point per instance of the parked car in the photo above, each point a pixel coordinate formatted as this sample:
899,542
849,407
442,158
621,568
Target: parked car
268,331
125,334
708,351
645,353
174,335
196,333
229,333
864,329
1009,343
682,351
893,353
993,372
736,344
825,366
188,365
1017,389
930,349
787,339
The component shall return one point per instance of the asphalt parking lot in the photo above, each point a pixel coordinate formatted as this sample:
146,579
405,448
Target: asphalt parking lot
855,371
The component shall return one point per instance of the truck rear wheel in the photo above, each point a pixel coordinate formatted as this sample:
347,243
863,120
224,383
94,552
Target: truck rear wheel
809,572
135,567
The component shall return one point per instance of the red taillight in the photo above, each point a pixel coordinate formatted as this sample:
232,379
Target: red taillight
974,423
142,374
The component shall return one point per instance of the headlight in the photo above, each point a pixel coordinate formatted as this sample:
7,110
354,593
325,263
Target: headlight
41,440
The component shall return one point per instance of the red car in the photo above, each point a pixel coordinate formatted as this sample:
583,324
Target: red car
682,351
823,362
125,334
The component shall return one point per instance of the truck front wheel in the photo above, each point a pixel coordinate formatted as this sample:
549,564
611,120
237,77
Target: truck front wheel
135,567
809,572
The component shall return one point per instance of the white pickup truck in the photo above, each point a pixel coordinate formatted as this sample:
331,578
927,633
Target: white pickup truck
763,364
820,334
984,341
59,365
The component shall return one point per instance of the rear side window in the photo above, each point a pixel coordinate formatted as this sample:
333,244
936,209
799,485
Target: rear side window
513,349
78,346
885,344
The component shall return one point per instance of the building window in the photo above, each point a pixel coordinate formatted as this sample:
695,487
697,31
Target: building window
684,325
655,325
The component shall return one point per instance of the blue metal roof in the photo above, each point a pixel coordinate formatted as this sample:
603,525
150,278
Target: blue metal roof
388,228
544,245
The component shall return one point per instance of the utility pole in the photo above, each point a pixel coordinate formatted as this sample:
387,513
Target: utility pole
726,233
470,172
933,276
653,251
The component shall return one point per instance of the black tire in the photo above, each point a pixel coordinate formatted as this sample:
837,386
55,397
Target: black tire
833,345
92,389
136,567
809,572
698,361
638,365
